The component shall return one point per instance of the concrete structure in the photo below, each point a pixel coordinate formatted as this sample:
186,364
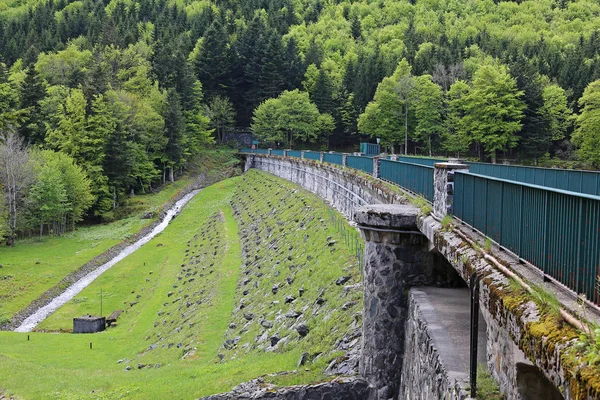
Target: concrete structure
515,352
443,183
89,324
396,258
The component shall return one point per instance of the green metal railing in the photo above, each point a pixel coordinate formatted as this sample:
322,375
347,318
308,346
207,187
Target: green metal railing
294,153
334,158
421,160
276,152
414,177
370,149
580,181
362,163
312,155
255,151
555,230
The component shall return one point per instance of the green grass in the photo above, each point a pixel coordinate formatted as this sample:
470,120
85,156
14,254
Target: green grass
62,366
32,267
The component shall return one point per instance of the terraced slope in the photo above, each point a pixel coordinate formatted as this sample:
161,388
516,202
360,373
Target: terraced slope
299,287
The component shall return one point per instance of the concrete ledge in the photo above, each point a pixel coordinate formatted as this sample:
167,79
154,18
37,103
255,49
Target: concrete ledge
389,216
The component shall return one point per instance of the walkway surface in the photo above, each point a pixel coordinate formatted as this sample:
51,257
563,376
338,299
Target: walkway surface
452,308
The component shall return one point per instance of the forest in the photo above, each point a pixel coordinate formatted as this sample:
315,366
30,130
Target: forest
103,99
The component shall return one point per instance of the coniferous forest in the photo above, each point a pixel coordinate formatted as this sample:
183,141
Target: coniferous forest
99,99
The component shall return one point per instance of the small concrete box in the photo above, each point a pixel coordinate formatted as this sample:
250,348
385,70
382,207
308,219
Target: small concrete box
89,324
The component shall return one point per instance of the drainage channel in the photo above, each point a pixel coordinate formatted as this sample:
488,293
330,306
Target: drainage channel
41,314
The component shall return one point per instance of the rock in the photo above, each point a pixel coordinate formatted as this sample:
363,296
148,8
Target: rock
293,314
349,288
229,344
303,359
249,316
245,292
289,299
331,243
128,368
140,366
346,306
232,326
274,340
302,330
170,294
300,291
342,280
320,300
289,280
119,362
266,324
275,289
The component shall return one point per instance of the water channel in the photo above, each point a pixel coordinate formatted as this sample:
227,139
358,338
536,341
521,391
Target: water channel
42,313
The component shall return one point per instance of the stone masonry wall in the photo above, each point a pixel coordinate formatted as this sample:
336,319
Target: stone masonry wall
339,389
342,187
426,373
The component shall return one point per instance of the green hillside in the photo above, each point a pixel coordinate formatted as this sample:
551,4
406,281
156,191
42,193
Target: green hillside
183,333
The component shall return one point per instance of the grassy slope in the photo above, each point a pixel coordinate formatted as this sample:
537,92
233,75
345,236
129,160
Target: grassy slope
62,365
31,267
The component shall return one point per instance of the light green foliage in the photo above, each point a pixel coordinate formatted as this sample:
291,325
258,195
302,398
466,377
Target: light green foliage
447,222
428,112
61,193
289,117
587,130
487,387
63,67
456,137
386,117
556,111
221,114
69,135
494,110
487,245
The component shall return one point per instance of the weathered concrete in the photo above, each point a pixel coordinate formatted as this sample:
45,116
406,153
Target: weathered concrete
89,324
396,258
338,389
443,183
434,366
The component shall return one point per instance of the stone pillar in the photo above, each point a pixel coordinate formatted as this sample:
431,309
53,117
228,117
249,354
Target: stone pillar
285,152
396,257
302,154
249,162
443,183
344,159
321,157
269,151
376,166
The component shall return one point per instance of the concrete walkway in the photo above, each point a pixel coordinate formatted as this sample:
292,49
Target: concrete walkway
453,311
